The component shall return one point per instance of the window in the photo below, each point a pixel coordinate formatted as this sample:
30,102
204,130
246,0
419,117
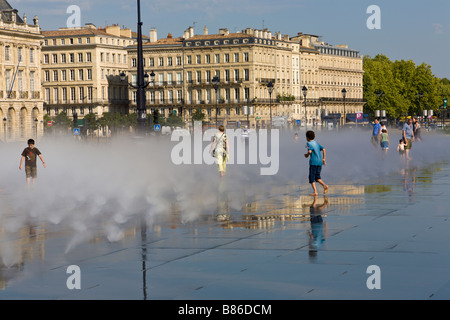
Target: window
199,59
79,41
7,53
161,62
236,75
72,95
64,95
71,58
208,76
55,95
134,62
217,58
55,75
207,58
8,80
80,57
31,55
63,58
63,75
151,62
20,80
179,78
178,61
55,58
19,51
47,76
63,41
246,75
246,56
89,74
32,74
227,75
169,61
72,75
80,75
81,92
199,76
46,58
188,60
236,57
89,57
227,57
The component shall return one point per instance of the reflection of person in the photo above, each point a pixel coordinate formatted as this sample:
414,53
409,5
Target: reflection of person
30,155
408,136
317,235
315,162
221,146
296,137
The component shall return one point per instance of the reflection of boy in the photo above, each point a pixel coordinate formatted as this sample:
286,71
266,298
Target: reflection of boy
30,155
317,235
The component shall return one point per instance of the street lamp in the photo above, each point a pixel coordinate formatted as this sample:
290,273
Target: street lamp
270,89
36,123
142,79
4,127
344,94
215,82
305,92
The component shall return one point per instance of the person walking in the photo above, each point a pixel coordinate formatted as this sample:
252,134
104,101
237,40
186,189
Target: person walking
30,155
220,149
315,162
376,133
408,136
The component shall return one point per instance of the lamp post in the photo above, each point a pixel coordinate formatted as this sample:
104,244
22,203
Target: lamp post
419,95
270,89
36,124
142,79
4,127
344,94
215,82
305,92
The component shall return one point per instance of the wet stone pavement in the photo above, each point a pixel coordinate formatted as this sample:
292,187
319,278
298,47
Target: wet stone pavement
276,247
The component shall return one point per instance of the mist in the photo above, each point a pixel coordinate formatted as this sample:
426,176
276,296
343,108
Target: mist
102,187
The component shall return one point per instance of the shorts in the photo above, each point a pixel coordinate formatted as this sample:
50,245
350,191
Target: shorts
314,173
384,145
408,144
31,172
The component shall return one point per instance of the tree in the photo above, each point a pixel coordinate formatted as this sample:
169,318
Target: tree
63,121
174,121
198,115
90,122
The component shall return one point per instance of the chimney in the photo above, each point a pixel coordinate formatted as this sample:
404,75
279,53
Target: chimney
191,32
205,31
153,35
224,32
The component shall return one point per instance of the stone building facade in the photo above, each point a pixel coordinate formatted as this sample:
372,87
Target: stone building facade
245,63
81,70
21,103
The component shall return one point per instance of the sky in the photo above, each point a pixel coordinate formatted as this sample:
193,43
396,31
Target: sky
415,30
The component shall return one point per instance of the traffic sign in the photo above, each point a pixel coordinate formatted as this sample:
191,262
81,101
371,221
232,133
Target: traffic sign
157,127
76,131
49,123
445,102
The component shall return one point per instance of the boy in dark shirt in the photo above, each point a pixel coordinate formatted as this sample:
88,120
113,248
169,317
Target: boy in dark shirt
29,155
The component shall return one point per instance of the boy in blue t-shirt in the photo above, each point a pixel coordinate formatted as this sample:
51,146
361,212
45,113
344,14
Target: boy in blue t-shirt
315,162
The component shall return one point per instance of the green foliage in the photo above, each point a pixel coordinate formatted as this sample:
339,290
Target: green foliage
174,121
198,115
401,81
62,120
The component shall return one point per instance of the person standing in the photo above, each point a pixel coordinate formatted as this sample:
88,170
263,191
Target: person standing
384,140
376,133
408,136
315,162
220,150
30,155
